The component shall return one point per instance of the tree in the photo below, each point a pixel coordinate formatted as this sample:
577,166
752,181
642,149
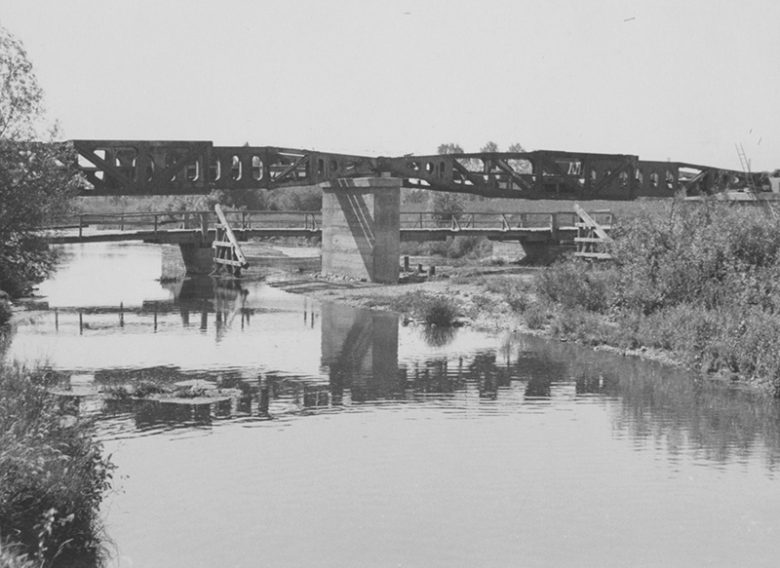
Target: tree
37,178
449,148
521,166
489,147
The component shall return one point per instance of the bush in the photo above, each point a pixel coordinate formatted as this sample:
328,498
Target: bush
584,326
5,311
11,558
52,473
440,311
513,289
535,316
690,254
702,281
428,308
576,284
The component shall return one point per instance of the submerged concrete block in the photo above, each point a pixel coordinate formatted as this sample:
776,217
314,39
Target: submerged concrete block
361,228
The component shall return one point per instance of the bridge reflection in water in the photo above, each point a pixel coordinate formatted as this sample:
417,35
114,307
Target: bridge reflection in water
367,359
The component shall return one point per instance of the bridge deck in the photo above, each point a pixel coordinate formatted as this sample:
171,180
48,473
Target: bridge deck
192,226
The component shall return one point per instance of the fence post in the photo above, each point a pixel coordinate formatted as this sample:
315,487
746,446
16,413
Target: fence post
155,222
204,225
81,224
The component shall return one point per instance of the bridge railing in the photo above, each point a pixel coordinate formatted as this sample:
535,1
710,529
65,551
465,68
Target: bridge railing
507,221
247,220
256,219
155,221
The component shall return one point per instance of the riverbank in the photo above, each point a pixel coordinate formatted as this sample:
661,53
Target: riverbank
486,299
693,285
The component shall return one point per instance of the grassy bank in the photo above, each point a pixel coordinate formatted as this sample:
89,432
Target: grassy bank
701,282
698,284
53,476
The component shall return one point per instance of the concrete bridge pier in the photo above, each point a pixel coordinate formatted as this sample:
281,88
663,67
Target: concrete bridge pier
186,259
361,228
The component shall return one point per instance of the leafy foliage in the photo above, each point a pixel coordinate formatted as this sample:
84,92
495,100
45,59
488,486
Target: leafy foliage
449,148
702,281
36,178
52,473
21,99
575,284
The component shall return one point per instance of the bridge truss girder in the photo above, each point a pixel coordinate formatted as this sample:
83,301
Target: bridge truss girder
123,167
114,167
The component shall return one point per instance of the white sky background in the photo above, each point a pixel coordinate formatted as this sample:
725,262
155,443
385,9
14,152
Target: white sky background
684,80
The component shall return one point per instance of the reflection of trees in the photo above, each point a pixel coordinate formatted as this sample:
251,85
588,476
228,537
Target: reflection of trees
669,407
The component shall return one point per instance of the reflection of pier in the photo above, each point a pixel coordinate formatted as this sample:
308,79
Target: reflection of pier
360,351
359,363
647,402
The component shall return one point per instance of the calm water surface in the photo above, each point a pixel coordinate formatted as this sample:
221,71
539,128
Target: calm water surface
352,440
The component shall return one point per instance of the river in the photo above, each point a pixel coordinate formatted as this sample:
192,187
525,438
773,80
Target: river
355,440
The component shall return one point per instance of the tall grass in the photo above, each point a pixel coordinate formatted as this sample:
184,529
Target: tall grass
702,281
53,474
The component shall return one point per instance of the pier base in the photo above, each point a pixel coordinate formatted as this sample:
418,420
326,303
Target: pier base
361,233
186,259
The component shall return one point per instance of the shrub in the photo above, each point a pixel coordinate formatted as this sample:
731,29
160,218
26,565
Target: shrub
702,281
518,301
5,311
581,325
11,558
688,253
52,473
576,284
428,308
535,316
440,311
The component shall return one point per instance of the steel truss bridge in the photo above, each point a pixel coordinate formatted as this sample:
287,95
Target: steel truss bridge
138,167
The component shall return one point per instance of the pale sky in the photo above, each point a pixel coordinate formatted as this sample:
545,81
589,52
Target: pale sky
679,80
